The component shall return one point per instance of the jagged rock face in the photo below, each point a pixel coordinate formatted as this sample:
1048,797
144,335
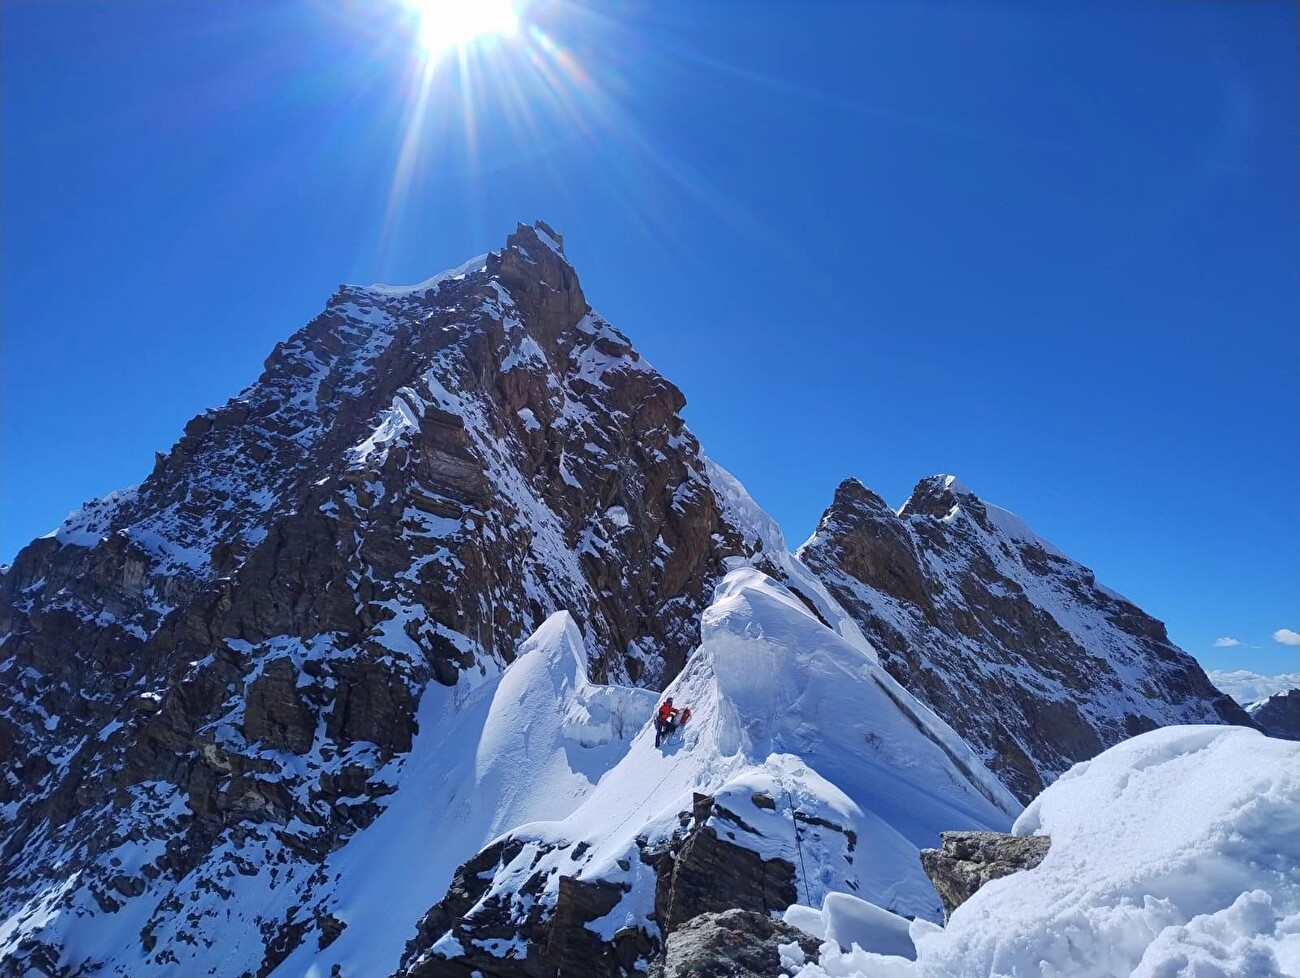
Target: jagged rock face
1012,643
515,910
735,943
1279,715
216,665
968,860
703,872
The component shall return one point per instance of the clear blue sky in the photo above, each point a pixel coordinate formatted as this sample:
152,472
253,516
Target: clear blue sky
1050,247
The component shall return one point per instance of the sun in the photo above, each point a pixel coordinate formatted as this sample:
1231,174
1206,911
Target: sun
447,24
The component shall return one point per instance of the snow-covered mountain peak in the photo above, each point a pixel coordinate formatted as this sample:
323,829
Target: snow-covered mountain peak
420,479
410,597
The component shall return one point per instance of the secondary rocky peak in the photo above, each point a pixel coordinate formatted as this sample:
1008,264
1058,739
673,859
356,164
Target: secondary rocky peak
1014,644
851,496
867,534
1279,715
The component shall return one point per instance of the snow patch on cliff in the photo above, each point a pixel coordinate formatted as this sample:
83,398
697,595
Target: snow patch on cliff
473,265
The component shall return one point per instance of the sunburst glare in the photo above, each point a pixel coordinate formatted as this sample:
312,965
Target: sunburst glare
446,25
497,82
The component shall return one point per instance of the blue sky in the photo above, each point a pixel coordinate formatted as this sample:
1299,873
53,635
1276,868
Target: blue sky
1050,247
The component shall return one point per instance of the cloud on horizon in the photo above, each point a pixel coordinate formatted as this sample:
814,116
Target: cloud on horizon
1286,636
1226,642
1250,687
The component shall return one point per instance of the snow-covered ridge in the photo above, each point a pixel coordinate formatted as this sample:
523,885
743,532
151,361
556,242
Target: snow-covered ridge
1006,522
782,708
477,263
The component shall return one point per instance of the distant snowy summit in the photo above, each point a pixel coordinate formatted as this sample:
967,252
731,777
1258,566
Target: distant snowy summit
1279,715
359,675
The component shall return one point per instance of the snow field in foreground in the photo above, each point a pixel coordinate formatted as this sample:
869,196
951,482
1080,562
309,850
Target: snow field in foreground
1174,855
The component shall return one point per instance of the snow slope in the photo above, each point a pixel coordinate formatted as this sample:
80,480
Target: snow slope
1175,854
527,745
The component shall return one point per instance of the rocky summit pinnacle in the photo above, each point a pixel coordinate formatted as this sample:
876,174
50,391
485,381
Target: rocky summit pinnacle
417,480
1017,646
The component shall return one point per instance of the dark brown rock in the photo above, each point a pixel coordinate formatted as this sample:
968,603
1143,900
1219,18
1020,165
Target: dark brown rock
570,947
275,713
710,875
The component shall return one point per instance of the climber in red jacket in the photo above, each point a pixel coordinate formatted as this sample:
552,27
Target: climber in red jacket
668,719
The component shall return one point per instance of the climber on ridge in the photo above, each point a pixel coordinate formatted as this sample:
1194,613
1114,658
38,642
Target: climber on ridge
668,719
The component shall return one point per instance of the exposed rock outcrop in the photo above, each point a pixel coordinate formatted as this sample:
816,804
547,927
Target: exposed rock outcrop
702,872
1016,646
734,943
474,931
968,860
512,913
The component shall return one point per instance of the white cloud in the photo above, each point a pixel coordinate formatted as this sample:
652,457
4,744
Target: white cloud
1250,687
1286,636
1225,643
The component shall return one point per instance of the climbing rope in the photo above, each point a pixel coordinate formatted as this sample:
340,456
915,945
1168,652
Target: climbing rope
640,808
672,768
798,843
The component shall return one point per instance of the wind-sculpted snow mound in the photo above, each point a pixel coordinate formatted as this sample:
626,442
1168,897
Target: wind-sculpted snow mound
1176,853
791,727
